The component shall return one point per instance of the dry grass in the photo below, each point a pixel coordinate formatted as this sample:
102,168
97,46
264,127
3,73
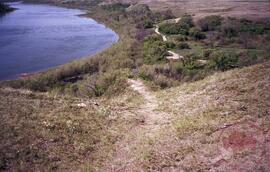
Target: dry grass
46,132
211,110
242,8
42,132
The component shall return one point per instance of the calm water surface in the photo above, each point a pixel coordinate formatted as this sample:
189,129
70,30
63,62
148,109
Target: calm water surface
38,37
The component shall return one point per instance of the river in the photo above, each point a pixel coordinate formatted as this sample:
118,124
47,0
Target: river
38,37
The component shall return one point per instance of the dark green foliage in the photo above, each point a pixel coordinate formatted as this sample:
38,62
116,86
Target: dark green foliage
171,28
210,23
224,61
181,27
207,53
154,50
170,45
187,21
253,27
147,24
147,73
164,15
183,45
229,31
233,27
116,7
196,34
180,38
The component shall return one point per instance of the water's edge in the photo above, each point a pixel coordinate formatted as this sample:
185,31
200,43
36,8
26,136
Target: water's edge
84,14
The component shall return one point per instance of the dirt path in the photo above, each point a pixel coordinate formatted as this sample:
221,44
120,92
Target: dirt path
129,151
173,55
151,103
164,38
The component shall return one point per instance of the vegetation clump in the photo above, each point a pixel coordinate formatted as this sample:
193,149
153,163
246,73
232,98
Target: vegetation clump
224,61
210,23
182,27
196,34
154,50
116,7
5,8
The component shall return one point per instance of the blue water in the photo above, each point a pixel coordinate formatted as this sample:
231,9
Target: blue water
37,37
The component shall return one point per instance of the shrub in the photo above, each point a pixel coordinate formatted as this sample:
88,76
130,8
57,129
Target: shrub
183,45
177,70
229,31
187,21
170,45
196,34
180,38
147,24
147,73
253,27
154,50
224,61
141,34
207,53
163,81
210,23
109,83
164,15
181,27
116,7
171,28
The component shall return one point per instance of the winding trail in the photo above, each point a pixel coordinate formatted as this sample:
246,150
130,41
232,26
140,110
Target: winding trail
129,150
173,55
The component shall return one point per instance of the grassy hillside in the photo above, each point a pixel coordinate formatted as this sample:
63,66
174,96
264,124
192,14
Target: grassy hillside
48,132
130,108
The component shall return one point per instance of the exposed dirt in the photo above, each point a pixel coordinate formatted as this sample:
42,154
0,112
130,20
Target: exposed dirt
173,55
129,150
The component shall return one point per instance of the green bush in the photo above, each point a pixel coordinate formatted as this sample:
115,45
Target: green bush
187,21
180,38
147,24
116,7
210,23
147,73
181,27
196,34
170,45
154,50
253,27
229,31
164,15
183,45
109,83
224,61
207,52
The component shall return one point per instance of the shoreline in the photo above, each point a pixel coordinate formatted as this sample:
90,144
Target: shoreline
84,14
